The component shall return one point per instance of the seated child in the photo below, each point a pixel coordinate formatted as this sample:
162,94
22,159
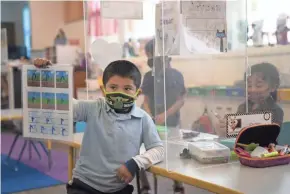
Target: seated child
262,94
116,128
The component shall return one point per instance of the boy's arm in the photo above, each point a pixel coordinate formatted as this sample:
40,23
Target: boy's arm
177,105
82,109
154,148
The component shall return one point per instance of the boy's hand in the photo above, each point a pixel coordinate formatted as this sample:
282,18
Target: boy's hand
41,63
160,119
124,174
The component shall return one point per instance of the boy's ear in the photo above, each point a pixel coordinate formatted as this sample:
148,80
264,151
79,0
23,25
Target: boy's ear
103,90
139,92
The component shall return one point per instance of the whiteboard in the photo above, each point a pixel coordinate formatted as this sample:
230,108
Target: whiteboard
122,9
47,102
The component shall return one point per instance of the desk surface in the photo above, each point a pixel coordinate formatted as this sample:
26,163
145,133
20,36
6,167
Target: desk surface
11,114
231,178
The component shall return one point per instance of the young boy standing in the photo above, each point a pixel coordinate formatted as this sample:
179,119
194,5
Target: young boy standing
116,128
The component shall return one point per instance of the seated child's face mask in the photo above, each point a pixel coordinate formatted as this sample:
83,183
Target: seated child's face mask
120,102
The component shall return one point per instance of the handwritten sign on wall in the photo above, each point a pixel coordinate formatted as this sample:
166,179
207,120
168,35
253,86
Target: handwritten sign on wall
167,28
205,21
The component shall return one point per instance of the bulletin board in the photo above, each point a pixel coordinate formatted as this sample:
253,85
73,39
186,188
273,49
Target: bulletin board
47,102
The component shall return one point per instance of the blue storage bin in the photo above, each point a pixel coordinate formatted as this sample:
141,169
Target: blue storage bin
235,92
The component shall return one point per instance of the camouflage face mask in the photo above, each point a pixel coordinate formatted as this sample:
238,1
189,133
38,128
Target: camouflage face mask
120,102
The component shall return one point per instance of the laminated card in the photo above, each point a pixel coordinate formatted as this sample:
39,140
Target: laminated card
47,102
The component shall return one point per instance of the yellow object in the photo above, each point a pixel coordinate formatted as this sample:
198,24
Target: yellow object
70,162
49,144
100,81
272,154
284,94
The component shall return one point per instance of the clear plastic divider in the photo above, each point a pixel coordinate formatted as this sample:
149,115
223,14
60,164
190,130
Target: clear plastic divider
201,80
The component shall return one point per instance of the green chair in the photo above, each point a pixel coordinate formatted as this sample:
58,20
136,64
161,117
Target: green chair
284,136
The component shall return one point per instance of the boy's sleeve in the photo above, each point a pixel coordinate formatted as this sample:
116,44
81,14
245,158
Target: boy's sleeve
154,148
82,109
150,136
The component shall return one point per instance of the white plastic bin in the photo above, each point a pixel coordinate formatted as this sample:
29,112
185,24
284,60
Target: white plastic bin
209,152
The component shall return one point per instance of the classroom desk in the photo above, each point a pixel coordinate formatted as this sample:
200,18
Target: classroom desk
229,178
11,114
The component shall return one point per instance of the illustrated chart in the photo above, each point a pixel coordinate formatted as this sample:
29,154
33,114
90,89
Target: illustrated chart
47,102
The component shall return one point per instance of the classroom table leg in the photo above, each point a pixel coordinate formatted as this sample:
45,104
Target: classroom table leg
49,146
72,154
155,184
70,162
30,150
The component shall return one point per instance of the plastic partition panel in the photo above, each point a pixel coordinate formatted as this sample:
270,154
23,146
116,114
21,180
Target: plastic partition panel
114,34
200,70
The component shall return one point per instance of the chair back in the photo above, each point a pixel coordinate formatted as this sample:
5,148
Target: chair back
284,136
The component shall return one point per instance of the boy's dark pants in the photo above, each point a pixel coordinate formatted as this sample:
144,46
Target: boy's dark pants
78,187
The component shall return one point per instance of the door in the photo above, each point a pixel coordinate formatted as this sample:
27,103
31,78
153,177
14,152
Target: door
10,27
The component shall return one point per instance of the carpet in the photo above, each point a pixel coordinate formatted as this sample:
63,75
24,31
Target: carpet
32,173
26,178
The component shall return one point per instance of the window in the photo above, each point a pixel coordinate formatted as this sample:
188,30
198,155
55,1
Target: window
26,29
99,26
144,28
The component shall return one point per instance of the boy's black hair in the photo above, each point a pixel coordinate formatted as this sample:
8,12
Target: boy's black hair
271,75
122,68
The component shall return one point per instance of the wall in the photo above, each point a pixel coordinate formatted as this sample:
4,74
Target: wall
228,68
11,11
47,17
75,30
223,69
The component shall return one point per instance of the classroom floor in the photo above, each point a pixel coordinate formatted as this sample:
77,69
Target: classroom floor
165,189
